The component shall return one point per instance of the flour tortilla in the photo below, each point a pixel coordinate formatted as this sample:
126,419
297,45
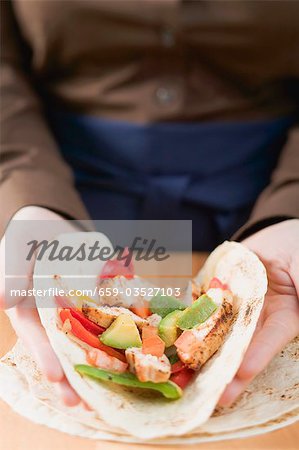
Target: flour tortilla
24,388
154,417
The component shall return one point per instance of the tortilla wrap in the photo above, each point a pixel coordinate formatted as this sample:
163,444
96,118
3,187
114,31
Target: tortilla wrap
137,414
269,403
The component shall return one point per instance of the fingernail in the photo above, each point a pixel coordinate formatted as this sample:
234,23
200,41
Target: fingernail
71,400
54,376
86,406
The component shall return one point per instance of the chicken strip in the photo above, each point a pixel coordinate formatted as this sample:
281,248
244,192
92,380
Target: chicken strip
196,346
105,315
154,320
148,367
126,291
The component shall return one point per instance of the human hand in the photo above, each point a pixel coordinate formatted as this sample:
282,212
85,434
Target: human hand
278,248
22,313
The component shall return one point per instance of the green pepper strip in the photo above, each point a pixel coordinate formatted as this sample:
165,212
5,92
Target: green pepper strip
169,389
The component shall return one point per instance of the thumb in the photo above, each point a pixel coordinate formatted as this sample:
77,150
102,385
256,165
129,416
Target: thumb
278,329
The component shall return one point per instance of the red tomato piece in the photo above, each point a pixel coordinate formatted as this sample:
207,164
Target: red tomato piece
116,267
183,377
215,283
149,331
152,343
177,367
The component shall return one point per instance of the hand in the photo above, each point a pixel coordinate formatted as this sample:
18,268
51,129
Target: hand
278,248
23,315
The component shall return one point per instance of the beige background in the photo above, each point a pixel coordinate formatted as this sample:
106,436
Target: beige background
18,433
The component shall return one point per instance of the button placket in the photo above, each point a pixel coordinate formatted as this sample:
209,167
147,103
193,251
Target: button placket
165,95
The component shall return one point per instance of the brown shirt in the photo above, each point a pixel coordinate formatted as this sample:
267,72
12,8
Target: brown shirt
142,61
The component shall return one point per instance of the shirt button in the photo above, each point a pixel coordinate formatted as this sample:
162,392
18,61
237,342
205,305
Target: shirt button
167,38
166,95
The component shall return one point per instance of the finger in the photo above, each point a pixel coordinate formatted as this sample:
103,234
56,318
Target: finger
14,277
294,272
277,331
236,386
67,393
15,267
26,323
86,406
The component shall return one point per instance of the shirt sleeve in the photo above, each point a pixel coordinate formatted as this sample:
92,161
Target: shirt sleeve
32,171
280,200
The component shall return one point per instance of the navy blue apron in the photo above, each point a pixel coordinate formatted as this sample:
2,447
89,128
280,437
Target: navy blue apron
211,173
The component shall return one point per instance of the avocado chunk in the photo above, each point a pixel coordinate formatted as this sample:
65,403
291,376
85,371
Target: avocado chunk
122,333
168,329
197,313
169,389
164,305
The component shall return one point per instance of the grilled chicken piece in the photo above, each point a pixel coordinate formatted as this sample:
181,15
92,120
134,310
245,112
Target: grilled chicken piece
148,367
105,315
154,320
196,346
122,285
101,359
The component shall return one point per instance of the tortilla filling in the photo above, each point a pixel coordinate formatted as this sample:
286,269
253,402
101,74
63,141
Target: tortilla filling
161,349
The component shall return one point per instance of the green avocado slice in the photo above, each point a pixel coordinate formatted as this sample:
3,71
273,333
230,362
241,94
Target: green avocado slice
122,333
197,313
164,305
168,329
169,389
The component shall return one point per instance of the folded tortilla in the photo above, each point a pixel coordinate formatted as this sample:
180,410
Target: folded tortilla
269,403
133,412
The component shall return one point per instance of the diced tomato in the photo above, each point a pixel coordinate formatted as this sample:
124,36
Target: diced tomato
183,377
149,331
116,267
86,336
152,343
101,359
177,367
216,283
142,310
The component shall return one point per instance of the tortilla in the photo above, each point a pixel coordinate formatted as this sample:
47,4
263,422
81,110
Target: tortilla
147,417
270,402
